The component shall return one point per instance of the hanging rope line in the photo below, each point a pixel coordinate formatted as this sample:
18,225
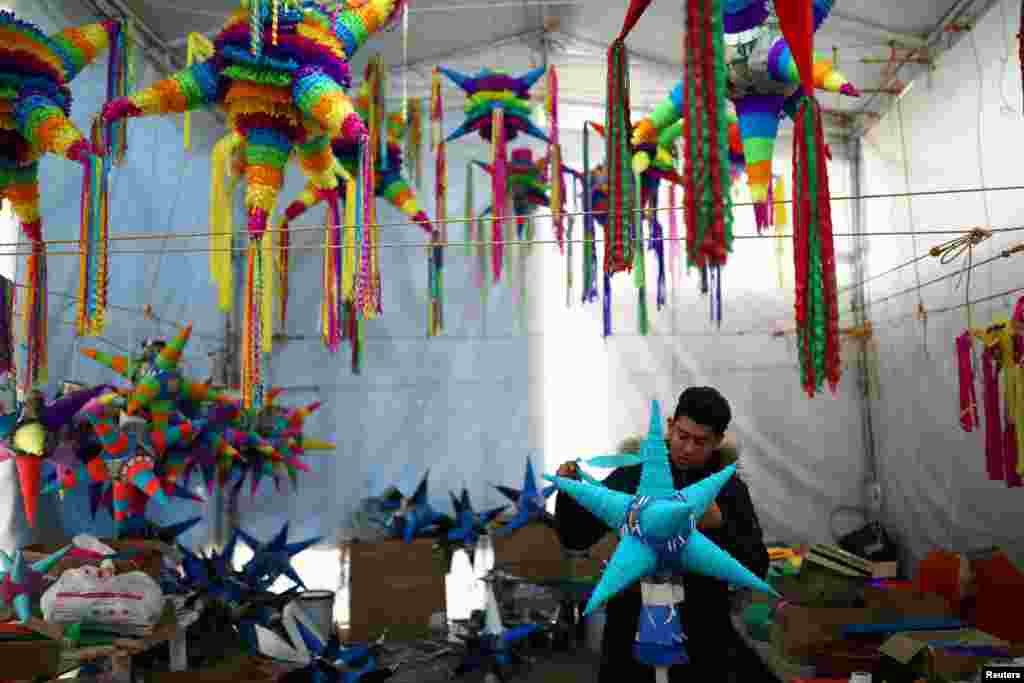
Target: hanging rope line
478,243
141,237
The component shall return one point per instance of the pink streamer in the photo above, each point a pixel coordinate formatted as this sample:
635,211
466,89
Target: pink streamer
499,191
1013,480
968,397
365,295
993,425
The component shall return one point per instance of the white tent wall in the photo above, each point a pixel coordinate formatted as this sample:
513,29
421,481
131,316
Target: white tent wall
955,123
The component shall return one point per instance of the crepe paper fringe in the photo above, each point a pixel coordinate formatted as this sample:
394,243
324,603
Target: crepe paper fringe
817,316
1015,399
622,193
222,186
7,304
352,237
469,209
707,180
673,234
94,243
414,142
589,285
657,245
781,220
968,399
435,285
555,158
120,81
1020,42
35,314
435,257
250,327
606,309
482,258
499,189
334,256
994,436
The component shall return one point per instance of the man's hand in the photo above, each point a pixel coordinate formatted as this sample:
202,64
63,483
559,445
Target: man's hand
568,470
712,518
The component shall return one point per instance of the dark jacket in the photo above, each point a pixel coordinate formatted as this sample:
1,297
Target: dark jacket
712,641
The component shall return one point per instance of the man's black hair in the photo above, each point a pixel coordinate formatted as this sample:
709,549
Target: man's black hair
705,406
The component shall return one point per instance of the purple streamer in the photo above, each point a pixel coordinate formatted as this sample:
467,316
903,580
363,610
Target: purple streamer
607,312
993,426
657,243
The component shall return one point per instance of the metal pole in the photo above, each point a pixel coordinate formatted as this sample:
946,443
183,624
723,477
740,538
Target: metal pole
860,304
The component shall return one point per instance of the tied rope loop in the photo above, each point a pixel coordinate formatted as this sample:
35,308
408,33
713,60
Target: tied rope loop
954,249
950,251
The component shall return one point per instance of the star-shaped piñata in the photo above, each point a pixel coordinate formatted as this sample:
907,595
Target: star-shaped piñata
658,525
530,503
273,559
21,583
469,525
416,516
158,392
492,648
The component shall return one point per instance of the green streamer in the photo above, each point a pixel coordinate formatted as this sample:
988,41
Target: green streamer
819,319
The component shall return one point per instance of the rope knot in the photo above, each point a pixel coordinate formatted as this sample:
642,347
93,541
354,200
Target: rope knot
953,249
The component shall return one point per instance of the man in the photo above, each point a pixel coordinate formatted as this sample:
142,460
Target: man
695,434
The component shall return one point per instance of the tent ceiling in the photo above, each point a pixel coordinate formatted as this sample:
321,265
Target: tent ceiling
479,33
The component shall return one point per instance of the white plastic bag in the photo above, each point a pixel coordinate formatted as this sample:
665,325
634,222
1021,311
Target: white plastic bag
128,603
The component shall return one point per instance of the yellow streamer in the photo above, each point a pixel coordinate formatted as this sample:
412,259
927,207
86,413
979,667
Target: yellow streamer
348,276
267,290
222,219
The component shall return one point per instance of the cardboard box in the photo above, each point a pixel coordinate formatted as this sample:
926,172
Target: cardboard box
148,558
393,586
906,604
29,660
817,586
533,552
802,631
908,656
592,563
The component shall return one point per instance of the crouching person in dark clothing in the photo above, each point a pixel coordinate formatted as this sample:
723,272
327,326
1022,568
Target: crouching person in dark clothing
716,651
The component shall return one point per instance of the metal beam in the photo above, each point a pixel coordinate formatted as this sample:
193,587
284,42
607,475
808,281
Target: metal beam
159,52
633,54
955,13
878,30
471,49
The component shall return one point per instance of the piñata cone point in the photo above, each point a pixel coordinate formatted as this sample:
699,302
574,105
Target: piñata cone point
30,470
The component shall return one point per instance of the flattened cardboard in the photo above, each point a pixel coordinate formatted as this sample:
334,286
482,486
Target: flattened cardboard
803,630
533,552
394,587
903,648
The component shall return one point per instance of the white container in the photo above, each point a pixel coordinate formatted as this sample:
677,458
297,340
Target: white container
319,607
860,677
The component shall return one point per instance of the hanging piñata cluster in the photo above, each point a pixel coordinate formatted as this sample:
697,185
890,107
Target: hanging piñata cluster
35,104
280,71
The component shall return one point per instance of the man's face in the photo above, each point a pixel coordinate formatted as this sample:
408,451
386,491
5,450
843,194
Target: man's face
690,445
